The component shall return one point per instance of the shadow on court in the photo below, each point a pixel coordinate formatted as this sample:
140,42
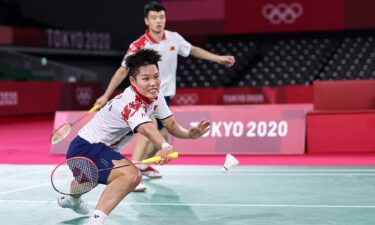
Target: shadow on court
78,220
160,214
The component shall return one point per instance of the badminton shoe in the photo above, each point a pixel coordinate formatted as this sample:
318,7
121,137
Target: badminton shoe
150,172
77,206
140,188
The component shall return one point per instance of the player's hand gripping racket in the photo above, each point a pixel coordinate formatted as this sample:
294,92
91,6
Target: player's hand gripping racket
64,130
79,175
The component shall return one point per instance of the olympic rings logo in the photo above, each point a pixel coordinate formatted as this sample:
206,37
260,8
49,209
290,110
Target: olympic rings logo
186,99
282,13
84,95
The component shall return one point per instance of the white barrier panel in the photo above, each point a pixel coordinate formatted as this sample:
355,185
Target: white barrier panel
245,129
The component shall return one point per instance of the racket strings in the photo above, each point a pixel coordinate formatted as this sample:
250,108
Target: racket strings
61,133
75,177
85,176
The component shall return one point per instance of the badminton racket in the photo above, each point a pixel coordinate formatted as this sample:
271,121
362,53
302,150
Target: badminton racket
64,130
79,175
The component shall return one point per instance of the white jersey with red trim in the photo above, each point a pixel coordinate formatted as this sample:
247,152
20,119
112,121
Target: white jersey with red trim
114,125
172,45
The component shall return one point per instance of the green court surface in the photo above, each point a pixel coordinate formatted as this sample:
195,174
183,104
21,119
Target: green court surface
246,195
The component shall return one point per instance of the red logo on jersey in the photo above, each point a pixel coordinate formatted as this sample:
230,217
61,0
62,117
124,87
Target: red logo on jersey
172,48
155,107
131,108
137,45
126,113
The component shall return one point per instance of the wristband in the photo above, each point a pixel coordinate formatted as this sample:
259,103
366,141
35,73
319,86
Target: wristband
165,144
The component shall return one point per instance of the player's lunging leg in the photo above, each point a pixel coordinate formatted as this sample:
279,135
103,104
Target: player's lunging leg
75,203
120,182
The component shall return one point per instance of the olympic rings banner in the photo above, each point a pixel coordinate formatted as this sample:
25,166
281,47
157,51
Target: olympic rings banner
260,129
250,16
283,15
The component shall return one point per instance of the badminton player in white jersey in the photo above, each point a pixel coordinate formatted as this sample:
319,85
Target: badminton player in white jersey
116,124
169,44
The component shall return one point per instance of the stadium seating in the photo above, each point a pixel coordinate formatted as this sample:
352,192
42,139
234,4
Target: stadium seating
280,60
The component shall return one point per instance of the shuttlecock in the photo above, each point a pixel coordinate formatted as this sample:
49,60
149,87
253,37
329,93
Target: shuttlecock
230,162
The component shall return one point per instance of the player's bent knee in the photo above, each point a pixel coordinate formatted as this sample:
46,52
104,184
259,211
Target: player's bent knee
130,179
128,174
137,179
133,176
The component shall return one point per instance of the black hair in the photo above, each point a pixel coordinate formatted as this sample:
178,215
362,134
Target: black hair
142,58
153,6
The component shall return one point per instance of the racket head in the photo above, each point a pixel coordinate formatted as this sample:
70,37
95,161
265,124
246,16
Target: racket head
61,133
75,176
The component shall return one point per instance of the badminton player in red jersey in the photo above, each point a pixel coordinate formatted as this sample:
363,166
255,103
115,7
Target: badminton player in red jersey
116,124
169,44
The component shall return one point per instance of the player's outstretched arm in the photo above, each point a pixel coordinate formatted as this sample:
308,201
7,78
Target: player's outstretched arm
227,60
150,131
178,131
116,80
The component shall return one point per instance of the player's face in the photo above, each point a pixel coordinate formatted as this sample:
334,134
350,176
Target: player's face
147,81
156,21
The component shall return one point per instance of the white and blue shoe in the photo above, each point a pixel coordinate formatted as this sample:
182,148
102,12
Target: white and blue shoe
77,205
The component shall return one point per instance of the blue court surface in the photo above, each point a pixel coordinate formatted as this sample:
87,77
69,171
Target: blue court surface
246,195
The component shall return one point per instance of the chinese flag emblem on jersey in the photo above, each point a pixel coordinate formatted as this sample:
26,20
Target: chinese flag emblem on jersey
172,48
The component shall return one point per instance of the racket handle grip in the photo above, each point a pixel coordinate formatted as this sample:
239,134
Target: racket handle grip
156,159
94,108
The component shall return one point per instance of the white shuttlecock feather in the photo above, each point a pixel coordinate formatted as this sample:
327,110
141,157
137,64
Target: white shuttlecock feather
230,162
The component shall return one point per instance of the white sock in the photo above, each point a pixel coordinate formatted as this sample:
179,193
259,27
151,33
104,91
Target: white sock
99,216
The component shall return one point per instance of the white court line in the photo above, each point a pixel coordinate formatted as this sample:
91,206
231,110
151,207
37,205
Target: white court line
26,188
205,204
220,174
267,174
310,170
250,205
22,174
240,169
